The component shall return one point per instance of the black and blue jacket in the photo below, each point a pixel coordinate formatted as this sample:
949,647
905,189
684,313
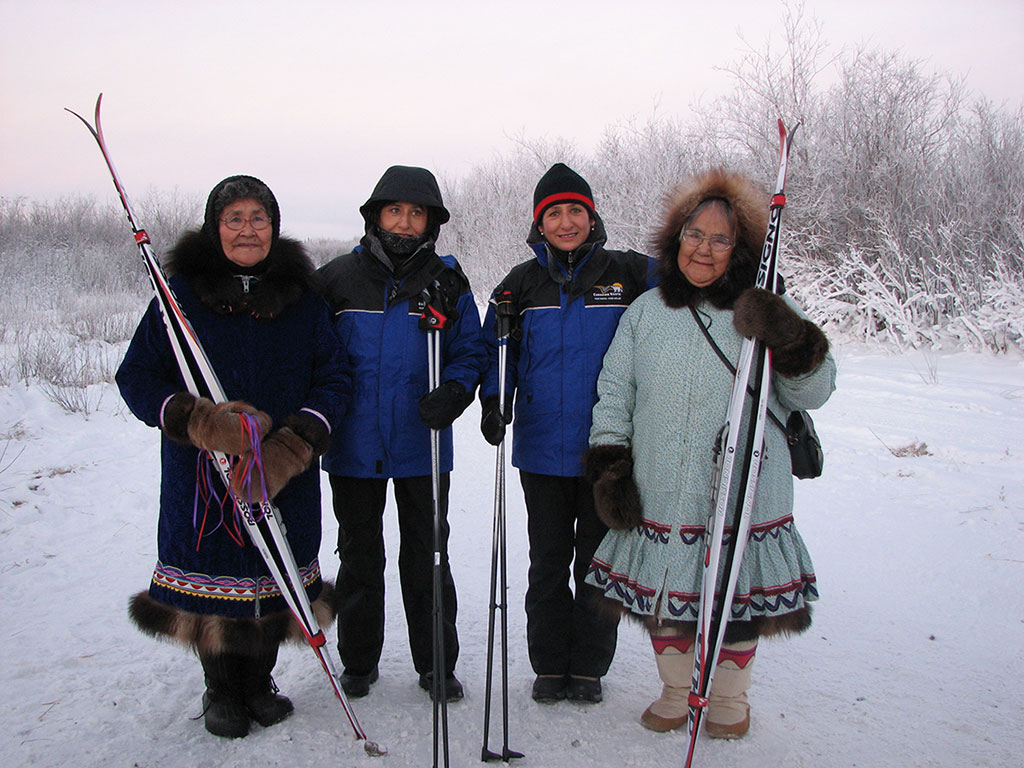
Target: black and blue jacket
566,309
377,310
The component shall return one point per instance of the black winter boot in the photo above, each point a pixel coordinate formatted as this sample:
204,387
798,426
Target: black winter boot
261,697
224,712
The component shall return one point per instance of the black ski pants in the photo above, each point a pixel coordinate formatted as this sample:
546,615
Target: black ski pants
567,631
359,508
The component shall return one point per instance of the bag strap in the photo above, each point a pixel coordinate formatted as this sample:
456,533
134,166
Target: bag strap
732,368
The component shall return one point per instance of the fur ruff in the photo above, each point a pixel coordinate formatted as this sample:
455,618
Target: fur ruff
209,635
288,273
748,204
609,469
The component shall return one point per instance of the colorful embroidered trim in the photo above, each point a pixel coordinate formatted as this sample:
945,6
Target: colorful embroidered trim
225,587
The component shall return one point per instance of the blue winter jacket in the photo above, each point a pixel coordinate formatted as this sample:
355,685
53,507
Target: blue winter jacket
377,317
565,315
280,365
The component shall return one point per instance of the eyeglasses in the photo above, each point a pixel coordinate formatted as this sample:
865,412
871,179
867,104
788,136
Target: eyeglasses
717,243
257,222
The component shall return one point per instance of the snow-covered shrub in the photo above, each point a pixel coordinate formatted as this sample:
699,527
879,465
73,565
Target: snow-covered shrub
905,215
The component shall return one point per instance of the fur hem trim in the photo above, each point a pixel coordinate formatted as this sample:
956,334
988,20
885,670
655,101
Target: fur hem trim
208,634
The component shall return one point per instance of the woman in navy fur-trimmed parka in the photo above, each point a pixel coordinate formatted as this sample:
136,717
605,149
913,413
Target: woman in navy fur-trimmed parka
249,294
566,301
379,293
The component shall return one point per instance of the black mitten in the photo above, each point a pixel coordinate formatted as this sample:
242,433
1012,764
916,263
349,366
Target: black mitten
493,421
444,404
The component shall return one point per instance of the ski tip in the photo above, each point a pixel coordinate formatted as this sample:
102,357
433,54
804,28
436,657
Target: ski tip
785,132
99,100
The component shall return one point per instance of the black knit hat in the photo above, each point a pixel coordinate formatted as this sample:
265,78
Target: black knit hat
239,188
561,184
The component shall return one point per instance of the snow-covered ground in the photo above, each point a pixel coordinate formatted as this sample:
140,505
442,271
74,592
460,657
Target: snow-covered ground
915,657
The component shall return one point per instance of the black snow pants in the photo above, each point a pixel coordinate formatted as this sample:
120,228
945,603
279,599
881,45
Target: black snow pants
359,507
567,631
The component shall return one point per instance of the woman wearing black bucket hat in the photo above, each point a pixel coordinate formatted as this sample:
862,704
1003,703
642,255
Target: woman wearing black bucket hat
566,301
378,294
248,293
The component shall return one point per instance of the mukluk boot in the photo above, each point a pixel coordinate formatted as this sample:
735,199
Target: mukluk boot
262,700
224,710
728,715
674,656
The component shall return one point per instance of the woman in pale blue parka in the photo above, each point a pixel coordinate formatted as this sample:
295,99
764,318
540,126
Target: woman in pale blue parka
663,394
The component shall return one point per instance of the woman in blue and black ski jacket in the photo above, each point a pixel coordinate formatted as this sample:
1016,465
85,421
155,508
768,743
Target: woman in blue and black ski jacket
379,293
566,303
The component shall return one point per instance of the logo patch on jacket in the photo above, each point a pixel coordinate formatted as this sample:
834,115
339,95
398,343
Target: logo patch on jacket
608,293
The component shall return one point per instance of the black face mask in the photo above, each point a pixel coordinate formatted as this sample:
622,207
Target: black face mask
399,247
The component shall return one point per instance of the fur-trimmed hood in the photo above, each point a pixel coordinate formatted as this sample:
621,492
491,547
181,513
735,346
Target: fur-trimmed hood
748,203
265,292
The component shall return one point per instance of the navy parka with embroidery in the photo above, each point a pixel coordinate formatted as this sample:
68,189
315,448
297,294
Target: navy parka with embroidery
565,315
377,316
280,365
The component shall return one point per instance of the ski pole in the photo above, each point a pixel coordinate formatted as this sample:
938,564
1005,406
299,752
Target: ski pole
502,326
433,321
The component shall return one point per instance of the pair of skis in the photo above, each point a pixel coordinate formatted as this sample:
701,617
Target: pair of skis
263,523
754,364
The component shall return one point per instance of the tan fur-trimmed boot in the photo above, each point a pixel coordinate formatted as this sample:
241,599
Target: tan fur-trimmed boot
674,655
728,714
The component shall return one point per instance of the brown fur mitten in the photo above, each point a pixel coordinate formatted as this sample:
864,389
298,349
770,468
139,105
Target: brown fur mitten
218,426
609,469
284,455
798,345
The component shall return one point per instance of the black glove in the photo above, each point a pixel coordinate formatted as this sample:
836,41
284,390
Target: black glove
443,405
798,345
493,421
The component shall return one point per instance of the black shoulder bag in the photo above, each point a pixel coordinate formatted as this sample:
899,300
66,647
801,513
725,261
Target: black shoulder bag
804,446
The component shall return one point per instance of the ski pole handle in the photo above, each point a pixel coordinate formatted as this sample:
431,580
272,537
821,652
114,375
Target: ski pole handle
503,312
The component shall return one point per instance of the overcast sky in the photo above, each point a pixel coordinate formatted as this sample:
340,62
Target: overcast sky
318,98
